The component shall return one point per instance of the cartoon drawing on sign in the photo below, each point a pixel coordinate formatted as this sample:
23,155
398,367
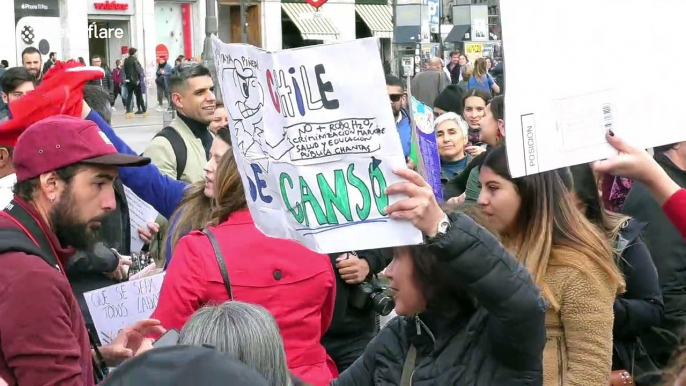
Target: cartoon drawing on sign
314,157
246,114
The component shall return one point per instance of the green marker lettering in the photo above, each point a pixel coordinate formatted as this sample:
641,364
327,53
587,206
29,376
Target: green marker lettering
309,198
381,199
363,211
339,198
297,212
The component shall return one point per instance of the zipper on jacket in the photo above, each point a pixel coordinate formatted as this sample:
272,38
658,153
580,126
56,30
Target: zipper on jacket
420,325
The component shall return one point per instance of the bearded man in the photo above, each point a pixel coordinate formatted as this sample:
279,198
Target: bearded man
65,171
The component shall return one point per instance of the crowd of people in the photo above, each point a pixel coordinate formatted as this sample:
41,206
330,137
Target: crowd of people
549,279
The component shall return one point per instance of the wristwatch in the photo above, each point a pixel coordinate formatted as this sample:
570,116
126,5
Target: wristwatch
442,227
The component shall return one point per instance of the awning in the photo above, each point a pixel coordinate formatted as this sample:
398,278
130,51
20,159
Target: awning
311,24
457,34
378,17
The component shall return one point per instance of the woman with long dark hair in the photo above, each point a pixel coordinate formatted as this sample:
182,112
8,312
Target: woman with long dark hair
469,313
568,257
195,209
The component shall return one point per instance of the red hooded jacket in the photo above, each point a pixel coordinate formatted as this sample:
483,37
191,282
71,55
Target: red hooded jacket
297,286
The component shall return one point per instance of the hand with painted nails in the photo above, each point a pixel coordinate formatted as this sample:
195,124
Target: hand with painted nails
420,207
637,164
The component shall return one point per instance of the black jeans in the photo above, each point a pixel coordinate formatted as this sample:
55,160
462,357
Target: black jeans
135,88
117,93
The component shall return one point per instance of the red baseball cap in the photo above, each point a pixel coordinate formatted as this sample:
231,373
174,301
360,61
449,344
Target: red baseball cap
63,140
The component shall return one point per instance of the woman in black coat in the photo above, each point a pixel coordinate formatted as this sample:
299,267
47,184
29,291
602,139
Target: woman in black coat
640,308
470,314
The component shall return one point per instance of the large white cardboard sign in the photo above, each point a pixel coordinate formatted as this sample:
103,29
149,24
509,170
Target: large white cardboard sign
576,69
315,142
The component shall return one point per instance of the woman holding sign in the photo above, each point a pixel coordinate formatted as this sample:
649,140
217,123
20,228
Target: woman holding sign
469,313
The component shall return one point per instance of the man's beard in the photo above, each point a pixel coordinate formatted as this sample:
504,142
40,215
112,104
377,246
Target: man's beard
396,113
69,231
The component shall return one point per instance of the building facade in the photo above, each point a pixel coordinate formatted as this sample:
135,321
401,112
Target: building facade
108,28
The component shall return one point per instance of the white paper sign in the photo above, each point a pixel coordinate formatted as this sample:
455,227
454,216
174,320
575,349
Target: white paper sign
140,214
315,142
121,305
568,82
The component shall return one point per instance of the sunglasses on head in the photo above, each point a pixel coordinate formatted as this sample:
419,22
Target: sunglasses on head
395,97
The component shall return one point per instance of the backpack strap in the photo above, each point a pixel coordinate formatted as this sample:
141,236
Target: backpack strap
408,366
179,147
16,240
32,240
220,261
33,231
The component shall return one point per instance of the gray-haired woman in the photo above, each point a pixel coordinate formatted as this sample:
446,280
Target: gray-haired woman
247,332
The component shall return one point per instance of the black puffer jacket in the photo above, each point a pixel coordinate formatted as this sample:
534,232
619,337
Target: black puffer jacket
501,343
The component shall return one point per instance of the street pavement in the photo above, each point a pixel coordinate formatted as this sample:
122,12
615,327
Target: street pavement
138,131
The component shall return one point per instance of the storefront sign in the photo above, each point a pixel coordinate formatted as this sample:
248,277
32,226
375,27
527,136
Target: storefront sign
38,25
473,51
433,14
110,7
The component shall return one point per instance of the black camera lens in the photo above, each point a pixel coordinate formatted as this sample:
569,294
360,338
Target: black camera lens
382,304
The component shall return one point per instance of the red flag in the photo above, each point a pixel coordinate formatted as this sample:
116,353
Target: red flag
61,92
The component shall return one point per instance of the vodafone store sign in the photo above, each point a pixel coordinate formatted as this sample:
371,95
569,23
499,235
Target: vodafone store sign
110,7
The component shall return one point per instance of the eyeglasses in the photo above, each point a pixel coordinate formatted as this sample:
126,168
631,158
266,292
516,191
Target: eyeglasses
395,97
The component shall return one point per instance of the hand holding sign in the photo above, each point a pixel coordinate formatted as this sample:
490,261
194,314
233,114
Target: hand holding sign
421,207
129,340
638,165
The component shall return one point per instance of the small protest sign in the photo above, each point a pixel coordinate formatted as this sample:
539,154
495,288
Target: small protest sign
121,305
315,142
424,145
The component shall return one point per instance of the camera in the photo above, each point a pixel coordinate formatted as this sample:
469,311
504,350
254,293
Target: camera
370,294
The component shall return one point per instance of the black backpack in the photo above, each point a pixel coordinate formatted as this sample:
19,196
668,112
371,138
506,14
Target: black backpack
179,147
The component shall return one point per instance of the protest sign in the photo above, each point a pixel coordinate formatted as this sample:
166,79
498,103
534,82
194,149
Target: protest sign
558,110
121,305
315,142
424,146
140,214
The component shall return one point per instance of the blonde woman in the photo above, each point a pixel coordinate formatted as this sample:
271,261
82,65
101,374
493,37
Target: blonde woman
569,259
481,78
465,73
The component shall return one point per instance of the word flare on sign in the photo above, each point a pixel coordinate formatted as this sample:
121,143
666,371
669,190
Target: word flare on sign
315,142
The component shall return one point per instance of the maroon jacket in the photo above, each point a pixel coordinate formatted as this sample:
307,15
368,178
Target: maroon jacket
43,338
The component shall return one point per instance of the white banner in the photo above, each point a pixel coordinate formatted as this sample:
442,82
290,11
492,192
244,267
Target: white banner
315,141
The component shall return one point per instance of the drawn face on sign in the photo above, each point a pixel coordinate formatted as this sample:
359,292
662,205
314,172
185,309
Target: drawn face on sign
251,90
244,110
